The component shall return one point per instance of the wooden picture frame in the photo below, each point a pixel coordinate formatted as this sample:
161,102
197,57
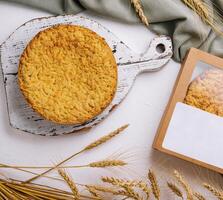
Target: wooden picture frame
178,95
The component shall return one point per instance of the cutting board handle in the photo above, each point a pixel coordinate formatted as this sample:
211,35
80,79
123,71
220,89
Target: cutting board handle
157,55
159,48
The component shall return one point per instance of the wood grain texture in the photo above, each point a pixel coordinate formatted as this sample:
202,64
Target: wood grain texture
22,116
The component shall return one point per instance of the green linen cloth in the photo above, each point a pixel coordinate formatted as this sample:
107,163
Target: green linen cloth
169,17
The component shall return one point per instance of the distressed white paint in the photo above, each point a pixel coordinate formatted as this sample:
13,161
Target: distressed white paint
130,64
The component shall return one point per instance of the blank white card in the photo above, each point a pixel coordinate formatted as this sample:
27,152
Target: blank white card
196,134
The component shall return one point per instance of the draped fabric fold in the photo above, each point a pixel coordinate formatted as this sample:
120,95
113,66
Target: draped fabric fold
170,17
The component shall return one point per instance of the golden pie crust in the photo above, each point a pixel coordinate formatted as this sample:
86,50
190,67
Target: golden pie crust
206,92
68,74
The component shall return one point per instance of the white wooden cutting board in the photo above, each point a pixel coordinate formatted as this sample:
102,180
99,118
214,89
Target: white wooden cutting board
24,118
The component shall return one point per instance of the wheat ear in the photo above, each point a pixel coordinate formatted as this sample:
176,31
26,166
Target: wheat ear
199,196
202,9
111,191
125,184
184,184
92,145
70,183
93,192
144,187
119,182
175,189
154,185
139,10
130,191
199,7
214,191
107,163
103,189
105,138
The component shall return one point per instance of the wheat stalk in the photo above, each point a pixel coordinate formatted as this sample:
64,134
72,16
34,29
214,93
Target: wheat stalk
35,194
98,164
19,190
3,196
184,185
202,9
154,185
214,191
70,183
199,196
92,145
8,193
139,10
23,170
175,189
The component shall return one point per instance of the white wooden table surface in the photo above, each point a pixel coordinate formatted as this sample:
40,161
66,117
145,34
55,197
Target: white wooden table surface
142,108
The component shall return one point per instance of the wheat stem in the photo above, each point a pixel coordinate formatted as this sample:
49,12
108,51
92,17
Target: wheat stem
38,192
92,145
27,171
8,193
2,196
99,164
57,165
34,192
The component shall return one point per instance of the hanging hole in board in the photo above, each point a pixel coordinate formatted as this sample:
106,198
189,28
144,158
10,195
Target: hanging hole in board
160,48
